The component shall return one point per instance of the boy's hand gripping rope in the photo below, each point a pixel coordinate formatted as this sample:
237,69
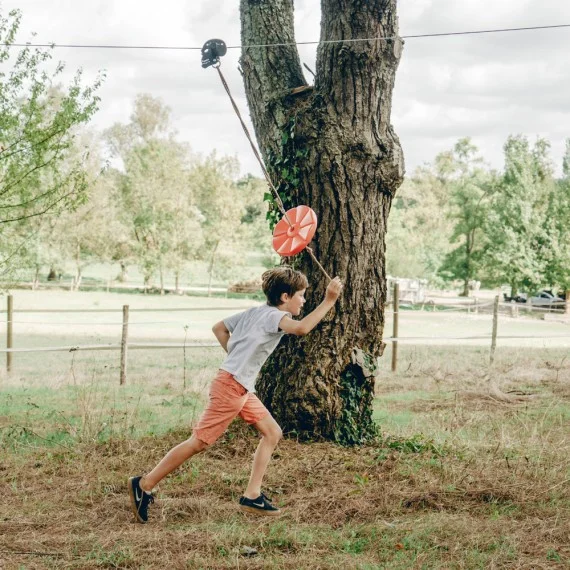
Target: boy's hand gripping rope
296,229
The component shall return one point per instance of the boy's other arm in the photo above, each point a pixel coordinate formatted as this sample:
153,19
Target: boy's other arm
308,323
222,334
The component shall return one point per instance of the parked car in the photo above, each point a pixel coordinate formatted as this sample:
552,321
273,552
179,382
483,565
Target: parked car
546,298
516,299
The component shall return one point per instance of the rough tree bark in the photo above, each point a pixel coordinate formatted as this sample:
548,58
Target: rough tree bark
330,146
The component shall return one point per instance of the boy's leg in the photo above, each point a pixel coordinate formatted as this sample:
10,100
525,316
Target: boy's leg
140,487
270,435
226,400
171,461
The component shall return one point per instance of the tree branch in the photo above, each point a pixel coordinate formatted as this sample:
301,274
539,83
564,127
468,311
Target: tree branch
269,23
47,209
269,73
32,145
37,198
15,252
37,167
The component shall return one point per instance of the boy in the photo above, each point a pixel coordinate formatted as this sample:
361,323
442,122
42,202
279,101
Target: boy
248,338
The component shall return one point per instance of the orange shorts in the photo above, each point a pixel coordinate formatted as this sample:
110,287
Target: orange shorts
227,400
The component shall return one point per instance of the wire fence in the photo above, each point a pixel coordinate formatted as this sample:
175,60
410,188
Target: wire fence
395,309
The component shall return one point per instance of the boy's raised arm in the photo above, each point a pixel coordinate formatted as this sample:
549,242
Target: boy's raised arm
308,323
222,334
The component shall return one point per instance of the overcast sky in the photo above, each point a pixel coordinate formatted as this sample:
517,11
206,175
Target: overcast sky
482,86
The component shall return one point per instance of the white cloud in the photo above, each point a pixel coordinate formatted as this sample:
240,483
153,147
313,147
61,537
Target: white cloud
483,86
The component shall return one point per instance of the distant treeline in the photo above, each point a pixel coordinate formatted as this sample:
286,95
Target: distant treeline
156,205
457,219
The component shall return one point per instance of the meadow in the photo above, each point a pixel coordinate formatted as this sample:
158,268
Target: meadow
458,476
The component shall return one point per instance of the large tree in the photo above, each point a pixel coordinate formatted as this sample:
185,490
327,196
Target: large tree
331,146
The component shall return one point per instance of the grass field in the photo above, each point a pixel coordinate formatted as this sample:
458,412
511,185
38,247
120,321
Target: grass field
456,479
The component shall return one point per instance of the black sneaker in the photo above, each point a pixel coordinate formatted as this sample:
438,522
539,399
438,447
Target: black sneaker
259,506
139,500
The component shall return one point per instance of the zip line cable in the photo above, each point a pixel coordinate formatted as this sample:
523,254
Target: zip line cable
348,40
279,202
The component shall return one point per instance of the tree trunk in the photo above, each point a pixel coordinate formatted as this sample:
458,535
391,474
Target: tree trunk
36,278
468,250
77,280
123,276
211,267
331,147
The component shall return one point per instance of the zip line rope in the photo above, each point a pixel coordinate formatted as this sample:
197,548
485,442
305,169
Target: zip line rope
280,204
258,46
253,147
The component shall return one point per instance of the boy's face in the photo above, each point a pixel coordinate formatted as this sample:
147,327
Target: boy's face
294,303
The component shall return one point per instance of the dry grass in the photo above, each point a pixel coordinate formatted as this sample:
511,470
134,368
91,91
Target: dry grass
457,480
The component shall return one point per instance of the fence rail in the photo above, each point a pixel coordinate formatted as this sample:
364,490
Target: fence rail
124,346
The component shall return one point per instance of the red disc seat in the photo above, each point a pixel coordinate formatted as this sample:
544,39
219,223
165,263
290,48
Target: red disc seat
288,239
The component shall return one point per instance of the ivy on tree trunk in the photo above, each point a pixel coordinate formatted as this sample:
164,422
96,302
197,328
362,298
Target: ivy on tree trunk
330,146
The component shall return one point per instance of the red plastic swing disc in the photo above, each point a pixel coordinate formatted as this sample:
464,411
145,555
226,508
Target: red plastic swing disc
288,239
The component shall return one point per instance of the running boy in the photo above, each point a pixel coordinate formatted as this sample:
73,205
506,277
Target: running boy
248,338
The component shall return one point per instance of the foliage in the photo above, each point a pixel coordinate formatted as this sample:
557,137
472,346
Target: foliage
223,207
557,254
417,443
469,189
156,197
418,230
355,425
254,221
39,120
508,227
286,169
517,224
181,207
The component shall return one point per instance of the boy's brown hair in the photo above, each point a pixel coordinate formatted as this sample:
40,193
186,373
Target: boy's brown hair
282,279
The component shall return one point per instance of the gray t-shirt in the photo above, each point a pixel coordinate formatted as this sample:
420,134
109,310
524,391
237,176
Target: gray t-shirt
254,336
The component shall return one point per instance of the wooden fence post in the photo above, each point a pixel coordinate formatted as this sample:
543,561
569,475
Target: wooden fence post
9,331
124,340
396,304
495,325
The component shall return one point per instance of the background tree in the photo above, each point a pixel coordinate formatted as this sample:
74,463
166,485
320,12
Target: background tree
418,229
38,125
557,251
517,227
330,146
89,233
223,207
155,191
255,195
469,190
